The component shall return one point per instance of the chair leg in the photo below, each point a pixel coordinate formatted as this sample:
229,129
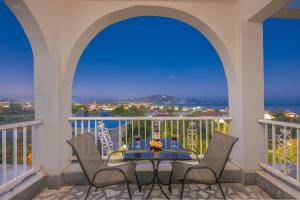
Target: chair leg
87,194
137,181
209,186
223,194
182,189
170,180
128,188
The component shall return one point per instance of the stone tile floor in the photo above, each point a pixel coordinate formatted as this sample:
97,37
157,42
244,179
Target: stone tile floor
192,191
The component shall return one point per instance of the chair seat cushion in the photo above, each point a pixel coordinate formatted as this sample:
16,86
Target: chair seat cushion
195,175
106,178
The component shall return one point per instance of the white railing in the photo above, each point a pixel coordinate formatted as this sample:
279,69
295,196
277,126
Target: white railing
192,132
282,149
16,155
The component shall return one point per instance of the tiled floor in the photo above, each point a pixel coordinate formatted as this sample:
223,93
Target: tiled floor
192,191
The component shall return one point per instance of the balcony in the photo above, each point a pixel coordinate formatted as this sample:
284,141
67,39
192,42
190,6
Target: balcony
281,141
37,163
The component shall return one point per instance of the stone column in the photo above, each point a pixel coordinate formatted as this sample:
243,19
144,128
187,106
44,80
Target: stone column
247,98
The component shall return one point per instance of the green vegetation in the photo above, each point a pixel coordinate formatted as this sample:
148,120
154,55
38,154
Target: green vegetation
81,107
281,116
194,113
133,111
6,119
15,113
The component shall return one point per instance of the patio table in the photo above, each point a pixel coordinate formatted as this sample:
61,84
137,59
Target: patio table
144,154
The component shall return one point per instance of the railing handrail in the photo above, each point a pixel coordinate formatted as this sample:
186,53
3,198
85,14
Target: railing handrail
279,123
151,118
21,124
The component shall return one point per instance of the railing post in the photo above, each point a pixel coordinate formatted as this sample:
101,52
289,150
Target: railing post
284,151
266,144
126,132
15,146
200,131
159,128
75,128
145,132
89,126
165,133
82,127
132,134
139,127
120,134
273,145
298,154
24,148
95,132
206,133
177,134
192,123
172,128
152,129
212,127
34,146
183,133
4,166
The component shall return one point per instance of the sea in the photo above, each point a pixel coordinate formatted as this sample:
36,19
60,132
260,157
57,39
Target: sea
268,107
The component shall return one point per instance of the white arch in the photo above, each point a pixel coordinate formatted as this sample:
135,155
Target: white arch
145,10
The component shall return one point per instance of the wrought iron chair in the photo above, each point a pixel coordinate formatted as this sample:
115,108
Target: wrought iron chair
98,173
209,170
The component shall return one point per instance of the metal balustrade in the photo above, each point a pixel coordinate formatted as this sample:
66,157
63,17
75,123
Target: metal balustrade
16,156
192,132
282,149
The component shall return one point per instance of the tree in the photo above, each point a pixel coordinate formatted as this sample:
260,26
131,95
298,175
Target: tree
76,108
194,113
119,111
14,108
132,111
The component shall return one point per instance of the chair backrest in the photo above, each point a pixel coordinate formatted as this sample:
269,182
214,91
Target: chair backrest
218,151
87,154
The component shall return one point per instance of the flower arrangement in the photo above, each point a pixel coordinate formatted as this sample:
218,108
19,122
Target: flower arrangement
155,145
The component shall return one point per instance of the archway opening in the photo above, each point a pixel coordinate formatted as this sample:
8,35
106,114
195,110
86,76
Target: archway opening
150,67
282,86
16,95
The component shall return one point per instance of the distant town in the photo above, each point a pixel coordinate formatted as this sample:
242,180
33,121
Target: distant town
12,111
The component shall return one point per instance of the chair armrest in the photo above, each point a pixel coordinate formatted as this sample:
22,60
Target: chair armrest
199,167
114,152
110,169
194,152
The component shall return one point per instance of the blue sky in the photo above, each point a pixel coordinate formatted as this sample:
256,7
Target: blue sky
153,55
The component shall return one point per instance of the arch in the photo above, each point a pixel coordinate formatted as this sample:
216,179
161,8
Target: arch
145,10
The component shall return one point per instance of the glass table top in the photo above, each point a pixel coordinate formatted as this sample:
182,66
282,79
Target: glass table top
167,153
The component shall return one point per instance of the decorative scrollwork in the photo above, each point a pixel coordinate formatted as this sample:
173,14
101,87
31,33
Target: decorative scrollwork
284,151
192,136
105,139
156,131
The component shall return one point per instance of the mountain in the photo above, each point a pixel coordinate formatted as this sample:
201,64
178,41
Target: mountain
156,99
169,100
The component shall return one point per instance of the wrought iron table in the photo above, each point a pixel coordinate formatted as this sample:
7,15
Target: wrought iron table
167,154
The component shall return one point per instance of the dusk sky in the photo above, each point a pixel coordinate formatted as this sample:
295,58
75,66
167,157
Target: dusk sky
153,55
